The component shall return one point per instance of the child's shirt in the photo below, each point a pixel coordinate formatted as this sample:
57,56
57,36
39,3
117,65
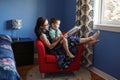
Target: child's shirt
53,33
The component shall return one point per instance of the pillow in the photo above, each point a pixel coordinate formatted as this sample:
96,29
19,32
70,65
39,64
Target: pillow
5,46
5,37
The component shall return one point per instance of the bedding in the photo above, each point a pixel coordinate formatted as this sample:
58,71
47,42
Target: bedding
8,69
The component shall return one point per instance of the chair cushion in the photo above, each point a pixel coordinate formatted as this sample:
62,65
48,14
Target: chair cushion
50,58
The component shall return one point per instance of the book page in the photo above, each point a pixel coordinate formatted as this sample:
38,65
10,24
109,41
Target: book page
72,31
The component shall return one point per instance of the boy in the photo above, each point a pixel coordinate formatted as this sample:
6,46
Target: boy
55,33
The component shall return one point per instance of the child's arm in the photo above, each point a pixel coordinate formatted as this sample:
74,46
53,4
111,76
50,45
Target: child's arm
58,33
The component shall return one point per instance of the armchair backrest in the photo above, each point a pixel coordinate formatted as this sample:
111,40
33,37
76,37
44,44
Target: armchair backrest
40,49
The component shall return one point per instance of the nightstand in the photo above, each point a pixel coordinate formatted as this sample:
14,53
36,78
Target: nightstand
23,50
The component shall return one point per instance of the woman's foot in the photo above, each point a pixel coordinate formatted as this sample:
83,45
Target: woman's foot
91,43
95,36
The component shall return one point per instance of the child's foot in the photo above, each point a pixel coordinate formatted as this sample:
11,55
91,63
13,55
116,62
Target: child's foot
71,55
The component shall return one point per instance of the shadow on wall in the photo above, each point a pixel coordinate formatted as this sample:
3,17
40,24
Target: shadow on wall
9,25
9,28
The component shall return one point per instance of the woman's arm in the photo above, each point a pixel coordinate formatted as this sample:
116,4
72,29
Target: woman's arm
47,42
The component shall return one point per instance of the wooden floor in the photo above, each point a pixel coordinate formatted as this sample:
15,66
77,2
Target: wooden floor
24,69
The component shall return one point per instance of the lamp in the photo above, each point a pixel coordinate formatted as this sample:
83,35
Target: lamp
17,24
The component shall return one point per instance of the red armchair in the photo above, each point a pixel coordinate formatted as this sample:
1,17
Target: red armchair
48,62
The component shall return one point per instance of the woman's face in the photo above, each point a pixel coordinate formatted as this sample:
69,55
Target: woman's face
46,25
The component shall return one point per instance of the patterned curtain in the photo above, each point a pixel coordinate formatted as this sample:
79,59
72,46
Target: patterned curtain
84,17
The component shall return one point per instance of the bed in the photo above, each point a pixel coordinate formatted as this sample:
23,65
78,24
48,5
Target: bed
8,69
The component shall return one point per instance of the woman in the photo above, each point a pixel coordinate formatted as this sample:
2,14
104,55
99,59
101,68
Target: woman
42,33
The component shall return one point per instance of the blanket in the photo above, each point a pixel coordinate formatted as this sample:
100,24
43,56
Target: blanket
8,69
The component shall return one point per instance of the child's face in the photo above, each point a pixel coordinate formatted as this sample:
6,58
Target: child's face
56,25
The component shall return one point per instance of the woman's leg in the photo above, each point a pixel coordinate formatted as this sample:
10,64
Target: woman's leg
90,40
85,40
65,45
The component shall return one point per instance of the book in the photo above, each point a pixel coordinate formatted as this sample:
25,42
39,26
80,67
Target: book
72,31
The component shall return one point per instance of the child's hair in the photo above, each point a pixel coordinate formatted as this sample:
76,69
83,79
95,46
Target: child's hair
54,20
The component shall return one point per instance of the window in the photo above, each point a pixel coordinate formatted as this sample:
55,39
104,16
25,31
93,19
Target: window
107,12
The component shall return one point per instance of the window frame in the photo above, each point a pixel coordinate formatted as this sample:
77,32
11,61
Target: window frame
98,19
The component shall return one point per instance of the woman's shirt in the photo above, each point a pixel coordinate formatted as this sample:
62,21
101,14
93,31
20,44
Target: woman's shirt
50,40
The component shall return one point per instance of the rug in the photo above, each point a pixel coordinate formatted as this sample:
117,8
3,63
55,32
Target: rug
82,74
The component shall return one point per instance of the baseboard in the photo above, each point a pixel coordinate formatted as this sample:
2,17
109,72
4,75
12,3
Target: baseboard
102,74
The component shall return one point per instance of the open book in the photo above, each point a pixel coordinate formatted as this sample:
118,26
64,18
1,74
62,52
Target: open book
72,31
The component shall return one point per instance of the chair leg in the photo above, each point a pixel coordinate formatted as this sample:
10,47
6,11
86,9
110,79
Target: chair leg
42,75
75,72
77,77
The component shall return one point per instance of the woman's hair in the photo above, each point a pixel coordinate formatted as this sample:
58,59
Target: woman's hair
54,20
39,24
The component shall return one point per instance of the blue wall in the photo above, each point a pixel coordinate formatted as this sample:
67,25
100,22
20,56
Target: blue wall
107,53
30,10
18,9
70,12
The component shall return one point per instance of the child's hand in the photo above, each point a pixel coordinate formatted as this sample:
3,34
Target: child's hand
65,36
61,37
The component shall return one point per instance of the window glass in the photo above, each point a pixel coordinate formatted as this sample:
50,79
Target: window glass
108,11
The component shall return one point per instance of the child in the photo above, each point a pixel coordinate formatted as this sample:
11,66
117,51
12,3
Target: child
55,33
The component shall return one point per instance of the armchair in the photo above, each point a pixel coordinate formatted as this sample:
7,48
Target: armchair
48,62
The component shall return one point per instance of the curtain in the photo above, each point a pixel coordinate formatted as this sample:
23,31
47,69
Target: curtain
84,17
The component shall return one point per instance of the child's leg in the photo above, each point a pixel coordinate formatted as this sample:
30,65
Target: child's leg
65,45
